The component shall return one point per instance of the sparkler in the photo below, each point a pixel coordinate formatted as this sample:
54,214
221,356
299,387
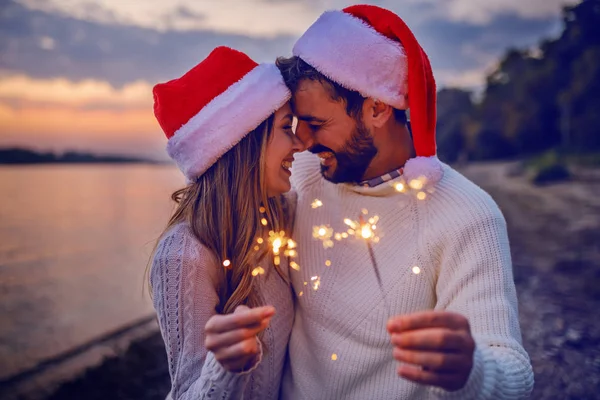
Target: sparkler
366,230
278,244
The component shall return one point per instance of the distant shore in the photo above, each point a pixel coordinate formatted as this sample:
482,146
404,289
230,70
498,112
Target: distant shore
20,156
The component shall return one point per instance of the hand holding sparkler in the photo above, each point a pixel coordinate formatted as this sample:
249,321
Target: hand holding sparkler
233,337
435,347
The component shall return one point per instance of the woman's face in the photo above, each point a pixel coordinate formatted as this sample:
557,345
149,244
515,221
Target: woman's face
282,145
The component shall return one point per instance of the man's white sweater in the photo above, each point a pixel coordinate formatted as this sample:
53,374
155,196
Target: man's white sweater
448,251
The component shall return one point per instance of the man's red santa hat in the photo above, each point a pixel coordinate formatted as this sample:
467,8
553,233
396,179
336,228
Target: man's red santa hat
370,50
214,105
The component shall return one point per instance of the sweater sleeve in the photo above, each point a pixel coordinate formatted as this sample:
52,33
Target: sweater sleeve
475,279
184,280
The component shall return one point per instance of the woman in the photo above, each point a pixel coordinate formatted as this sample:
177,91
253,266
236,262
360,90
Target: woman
225,311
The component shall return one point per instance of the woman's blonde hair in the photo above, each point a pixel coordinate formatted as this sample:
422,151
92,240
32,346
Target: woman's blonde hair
224,209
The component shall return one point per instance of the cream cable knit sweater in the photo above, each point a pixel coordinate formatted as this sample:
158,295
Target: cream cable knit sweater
339,348
184,279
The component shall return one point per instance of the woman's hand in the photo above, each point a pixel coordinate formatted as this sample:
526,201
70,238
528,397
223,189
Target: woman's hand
232,337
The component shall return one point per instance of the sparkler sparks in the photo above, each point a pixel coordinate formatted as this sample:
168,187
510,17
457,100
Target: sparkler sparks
315,282
417,186
323,233
226,263
362,229
400,187
258,271
277,242
316,203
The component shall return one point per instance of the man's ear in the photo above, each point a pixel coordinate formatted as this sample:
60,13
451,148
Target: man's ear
376,113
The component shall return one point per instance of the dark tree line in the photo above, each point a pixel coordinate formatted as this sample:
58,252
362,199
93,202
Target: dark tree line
536,100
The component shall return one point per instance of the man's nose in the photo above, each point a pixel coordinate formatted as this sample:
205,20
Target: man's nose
303,133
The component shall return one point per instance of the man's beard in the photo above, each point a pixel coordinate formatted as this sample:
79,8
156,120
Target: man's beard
354,159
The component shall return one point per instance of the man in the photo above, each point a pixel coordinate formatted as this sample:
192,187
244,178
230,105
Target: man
441,265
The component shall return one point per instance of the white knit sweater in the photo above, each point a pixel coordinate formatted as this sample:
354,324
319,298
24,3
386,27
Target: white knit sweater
456,236
184,279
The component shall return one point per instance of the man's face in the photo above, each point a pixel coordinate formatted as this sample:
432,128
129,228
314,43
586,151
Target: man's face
344,145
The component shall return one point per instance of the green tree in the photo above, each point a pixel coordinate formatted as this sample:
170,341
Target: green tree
536,99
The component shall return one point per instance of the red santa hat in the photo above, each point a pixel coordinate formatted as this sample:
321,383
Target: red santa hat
214,105
370,50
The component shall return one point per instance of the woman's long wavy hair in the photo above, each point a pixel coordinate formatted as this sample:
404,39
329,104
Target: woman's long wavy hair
223,208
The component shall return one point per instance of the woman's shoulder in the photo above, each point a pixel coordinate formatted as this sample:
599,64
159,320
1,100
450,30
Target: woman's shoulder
180,249
179,232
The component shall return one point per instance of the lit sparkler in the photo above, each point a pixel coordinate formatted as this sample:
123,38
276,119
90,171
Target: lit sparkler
365,229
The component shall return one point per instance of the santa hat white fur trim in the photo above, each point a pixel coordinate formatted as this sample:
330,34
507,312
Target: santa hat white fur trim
353,54
428,170
226,119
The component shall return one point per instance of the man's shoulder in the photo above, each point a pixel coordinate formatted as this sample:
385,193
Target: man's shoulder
461,200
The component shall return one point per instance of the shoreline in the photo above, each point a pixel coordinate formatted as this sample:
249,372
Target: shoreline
50,375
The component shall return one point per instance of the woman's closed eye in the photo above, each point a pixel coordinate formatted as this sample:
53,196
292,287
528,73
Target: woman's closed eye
289,130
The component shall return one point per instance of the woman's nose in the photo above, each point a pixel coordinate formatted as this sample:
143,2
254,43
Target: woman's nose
298,145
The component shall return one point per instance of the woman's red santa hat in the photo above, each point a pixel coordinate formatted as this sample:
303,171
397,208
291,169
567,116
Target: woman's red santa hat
214,105
370,50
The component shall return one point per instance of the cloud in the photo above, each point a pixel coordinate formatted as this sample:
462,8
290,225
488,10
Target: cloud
479,12
58,127
253,18
483,12
85,94
78,74
46,45
466,46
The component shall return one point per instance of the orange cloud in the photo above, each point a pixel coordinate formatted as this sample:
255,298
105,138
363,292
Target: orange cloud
86,93
89,114
60,119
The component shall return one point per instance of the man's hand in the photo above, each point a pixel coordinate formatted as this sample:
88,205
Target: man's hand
437,348
232,338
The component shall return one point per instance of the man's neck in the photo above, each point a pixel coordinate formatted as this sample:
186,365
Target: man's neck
394,149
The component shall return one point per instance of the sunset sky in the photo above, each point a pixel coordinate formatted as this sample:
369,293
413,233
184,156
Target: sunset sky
77,74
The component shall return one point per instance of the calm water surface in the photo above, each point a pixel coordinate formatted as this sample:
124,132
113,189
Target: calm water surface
74,243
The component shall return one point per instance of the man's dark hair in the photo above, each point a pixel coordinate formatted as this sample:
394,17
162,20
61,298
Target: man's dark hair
294,70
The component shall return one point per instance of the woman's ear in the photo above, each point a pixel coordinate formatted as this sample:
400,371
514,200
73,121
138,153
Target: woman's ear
376,113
